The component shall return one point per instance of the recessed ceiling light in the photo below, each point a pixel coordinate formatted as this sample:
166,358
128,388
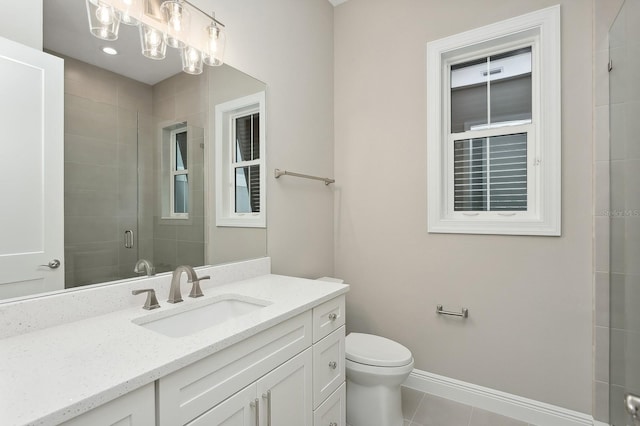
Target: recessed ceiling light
109,50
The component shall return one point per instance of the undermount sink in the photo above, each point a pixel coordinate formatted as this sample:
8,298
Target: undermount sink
189,320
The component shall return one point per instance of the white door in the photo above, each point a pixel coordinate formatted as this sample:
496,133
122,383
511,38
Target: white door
238,410
287,393
32,175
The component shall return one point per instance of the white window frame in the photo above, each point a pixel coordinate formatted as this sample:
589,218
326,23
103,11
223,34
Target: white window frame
173,173
225,114
541,31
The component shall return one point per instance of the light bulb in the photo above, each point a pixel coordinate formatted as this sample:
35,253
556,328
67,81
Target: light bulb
213,40
175,16
153,43
104,15
154,38
191,60
175,22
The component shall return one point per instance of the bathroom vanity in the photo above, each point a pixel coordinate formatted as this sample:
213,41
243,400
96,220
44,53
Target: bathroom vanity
280,364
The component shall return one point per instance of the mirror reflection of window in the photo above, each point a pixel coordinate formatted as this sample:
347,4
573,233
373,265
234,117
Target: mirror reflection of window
179,173
247,169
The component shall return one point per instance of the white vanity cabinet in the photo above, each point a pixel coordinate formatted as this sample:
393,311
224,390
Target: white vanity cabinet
287,375
137,408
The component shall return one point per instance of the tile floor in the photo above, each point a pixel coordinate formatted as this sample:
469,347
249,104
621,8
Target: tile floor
422,409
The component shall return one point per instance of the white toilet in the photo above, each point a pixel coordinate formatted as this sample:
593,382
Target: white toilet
376,367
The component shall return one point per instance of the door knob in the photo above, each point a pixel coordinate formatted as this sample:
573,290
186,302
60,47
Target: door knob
54,264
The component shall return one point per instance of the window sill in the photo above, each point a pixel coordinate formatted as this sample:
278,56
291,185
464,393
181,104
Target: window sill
498,226
242,222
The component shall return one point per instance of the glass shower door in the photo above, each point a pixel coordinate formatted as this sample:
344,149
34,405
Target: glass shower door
624,110
101,185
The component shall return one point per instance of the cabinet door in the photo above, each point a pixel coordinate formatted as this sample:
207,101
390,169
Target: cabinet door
32,177
137,408
239,410
286,393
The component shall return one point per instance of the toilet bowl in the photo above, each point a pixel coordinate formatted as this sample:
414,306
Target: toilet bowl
375,367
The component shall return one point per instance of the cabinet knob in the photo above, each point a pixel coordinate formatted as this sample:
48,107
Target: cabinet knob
333,365
333,424
333,317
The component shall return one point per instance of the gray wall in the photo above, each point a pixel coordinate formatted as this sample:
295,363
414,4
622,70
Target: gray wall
530,298
288,44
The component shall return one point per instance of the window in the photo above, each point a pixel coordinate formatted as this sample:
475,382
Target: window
494,128
179,174
240,162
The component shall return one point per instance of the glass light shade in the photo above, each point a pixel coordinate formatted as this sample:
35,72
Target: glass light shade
152,42
191,60
103,20
178,20
216,40
129,11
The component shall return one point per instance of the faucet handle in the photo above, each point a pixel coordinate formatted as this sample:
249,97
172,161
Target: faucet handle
196,291
152,300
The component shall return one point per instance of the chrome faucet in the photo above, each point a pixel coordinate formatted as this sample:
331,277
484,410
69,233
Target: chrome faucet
175,296
144,265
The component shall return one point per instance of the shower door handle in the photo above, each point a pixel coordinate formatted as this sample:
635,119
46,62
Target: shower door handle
632,404
129,239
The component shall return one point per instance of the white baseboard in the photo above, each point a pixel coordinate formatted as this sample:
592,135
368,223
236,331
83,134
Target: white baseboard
517,407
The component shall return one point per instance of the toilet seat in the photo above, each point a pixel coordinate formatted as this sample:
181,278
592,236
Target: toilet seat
376,351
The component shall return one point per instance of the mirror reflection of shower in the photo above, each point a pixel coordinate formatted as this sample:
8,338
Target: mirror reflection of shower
134,182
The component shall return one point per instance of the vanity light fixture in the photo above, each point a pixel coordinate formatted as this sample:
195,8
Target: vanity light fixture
174,23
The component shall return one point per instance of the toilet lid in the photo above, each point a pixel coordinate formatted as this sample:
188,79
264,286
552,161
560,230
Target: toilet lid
375,350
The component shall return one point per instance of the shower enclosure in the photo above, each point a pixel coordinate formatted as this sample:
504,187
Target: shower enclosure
624,139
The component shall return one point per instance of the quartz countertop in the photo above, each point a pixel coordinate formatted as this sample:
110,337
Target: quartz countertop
52,375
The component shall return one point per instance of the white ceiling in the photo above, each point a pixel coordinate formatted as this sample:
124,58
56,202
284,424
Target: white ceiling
337,2
66,31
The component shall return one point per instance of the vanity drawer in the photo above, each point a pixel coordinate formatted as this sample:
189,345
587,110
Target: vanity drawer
332,412
191,391
328,365
328,317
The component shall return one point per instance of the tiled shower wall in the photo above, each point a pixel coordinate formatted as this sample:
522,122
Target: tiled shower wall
622,216
100,171
605,12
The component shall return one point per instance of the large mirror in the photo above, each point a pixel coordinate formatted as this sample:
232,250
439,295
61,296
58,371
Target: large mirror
139,136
